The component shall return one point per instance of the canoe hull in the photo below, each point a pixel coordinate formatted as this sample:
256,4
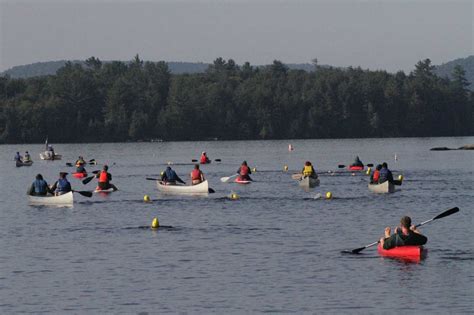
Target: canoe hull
20,164
202,188
384,188
408,253
46,155
309,182
65,199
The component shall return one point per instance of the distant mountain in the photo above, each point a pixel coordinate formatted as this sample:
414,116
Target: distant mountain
446,69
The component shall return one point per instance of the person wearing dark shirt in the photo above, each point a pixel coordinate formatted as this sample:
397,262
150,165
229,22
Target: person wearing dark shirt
39,187
385,174
170,177
404,235
62,185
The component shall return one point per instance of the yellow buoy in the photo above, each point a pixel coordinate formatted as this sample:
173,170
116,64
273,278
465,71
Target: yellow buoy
234,196
400,177
369,170
162,173
285,168
329,195
155,223
254,169
146,198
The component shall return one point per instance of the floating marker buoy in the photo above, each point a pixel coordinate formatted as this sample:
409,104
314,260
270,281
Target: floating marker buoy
369,170
169,162
285,168
146,198
400,177
234,196
254,169
155,223
329,195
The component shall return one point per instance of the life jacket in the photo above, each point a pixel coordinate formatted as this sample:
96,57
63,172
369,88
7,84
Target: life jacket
204,159
63,185
196,174
103,178
40,186
383,175
308,170
376,176
244,170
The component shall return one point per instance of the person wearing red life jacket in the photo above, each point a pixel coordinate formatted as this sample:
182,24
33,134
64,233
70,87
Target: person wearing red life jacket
204,158
244,172
376,175
197,176
104,180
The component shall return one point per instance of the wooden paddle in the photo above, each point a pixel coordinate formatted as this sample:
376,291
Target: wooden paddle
439,216
84,193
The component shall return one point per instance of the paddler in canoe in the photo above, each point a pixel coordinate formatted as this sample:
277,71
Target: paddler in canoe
308,170
244,172
204,159
385,174
80,165
374,178
197,176
104,179
39,187
27,157
62,185
404,235
169,177
18,158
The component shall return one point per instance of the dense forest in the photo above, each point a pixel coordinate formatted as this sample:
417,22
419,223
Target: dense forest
139,100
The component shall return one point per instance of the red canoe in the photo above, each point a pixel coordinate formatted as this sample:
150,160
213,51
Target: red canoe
79,175
407,253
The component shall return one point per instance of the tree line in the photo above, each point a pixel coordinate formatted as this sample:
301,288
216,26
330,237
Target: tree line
139,100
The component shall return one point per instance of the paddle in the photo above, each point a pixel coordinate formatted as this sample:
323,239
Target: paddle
226,179
439,216
84,193
215,160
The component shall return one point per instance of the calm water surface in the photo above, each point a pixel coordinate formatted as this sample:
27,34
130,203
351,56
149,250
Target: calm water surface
276,249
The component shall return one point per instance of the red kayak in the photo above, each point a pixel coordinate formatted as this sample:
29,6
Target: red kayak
406,253
356,168
238,180
79,175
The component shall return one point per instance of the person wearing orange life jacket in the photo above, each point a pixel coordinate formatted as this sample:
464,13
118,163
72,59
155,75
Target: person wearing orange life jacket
204,158
376,174
104,180
244,171
197,176
308,170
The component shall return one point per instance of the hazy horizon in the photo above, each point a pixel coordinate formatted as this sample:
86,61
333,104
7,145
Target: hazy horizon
370,34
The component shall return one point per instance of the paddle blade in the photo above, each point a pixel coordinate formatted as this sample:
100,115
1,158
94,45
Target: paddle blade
297,176
224,179
217,160
211,191
193,160
87,180
341,166
69,164
370,165
149,178
397,182
84,193
446,213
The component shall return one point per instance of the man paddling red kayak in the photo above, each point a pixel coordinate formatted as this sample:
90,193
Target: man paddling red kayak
404,235
244,172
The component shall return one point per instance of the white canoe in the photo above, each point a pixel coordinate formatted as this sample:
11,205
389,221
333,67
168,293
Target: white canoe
65,199
46,155
202,188
384,188
309,182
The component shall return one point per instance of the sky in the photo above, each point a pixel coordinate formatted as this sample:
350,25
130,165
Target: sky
389,35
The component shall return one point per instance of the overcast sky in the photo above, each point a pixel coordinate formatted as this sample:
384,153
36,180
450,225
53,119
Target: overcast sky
391,35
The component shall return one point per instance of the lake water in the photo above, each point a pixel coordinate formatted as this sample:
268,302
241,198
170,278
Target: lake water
276,249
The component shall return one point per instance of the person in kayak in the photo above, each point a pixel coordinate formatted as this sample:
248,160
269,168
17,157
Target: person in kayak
27,157
244,172
80,165
18,157
385,174
357,162
104,179
204,158
374,178
404,235
51,150
39,187
308,170
197,176
169,177
62,185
